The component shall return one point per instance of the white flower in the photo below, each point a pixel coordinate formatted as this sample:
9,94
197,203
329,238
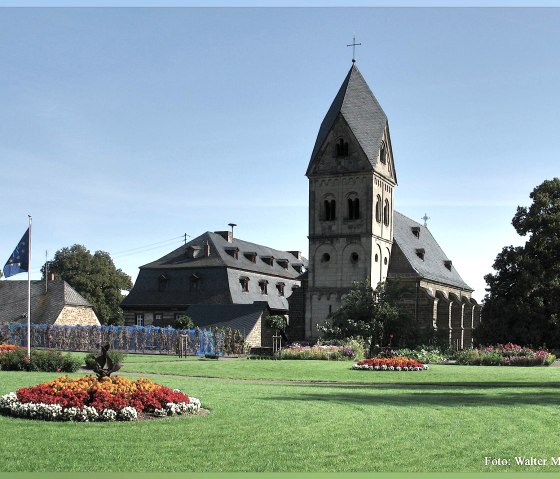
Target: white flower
108,415
128,414
160,412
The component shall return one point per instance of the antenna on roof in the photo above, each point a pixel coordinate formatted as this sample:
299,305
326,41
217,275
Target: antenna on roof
353,45
232,225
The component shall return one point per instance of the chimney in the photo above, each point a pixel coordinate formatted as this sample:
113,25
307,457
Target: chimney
227,235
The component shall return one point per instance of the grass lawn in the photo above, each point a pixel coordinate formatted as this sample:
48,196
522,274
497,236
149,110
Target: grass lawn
446,419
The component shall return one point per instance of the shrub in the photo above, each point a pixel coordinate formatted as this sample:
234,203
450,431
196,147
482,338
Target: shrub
505,355
184,322
426,355
41,360
116,356
352,350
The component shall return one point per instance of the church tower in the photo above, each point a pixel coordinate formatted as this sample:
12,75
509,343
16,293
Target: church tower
351,182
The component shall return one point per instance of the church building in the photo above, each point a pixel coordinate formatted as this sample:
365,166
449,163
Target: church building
355,234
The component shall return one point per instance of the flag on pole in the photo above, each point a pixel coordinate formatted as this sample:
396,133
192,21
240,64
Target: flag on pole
19,261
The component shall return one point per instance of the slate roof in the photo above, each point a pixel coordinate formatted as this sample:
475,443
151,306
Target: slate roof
405,261
45,308
236,316
362,112
178,258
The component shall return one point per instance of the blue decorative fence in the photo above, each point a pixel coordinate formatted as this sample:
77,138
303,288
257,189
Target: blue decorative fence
132,339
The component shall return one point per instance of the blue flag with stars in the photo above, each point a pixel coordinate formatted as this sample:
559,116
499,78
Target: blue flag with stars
19,261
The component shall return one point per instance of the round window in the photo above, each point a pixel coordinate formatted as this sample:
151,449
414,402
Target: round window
326,257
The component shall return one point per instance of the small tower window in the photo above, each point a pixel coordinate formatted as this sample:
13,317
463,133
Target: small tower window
378,209
354,257
383,153
386,213
330,210
244,282
162,283
269,260
325,258
421,252
448,264
283,262
195,282
298,267
341,148
263,285
416,231
280,288
353,208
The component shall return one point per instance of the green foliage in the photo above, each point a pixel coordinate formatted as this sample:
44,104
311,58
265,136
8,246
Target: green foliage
117,357
505,355
184,322
523,300
344,350
95,277
276,322
41,360
372,316
424,354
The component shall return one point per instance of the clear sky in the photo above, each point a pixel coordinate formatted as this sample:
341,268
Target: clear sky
124,128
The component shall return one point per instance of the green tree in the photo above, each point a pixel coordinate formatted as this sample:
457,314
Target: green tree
95,277
522,303
184,322
366,313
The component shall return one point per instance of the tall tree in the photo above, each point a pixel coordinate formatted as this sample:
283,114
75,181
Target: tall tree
522,303
372,315
95,277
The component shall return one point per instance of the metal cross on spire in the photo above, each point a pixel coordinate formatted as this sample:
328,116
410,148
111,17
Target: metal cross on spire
425,218
353,45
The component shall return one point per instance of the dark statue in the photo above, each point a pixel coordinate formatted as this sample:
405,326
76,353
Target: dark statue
104,366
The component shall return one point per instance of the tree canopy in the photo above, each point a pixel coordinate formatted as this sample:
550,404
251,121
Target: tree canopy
95,277
372,315
522,303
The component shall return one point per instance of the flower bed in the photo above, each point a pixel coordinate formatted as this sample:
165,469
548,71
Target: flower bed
88,399
319,351
396,363
505,355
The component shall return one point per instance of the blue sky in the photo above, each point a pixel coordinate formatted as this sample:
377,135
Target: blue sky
124,128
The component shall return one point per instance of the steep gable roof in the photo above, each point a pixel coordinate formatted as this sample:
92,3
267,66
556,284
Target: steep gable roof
45,306
413,240
362,112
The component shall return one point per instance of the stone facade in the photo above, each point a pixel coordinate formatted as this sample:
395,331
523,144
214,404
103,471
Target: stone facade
77,316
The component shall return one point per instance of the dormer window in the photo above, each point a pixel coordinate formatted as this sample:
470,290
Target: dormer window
421,252
341,148
283,262
416,231
263,285
251,256
298,267
162,283
269,260
192,251
280,288
233,252
448,264
244,282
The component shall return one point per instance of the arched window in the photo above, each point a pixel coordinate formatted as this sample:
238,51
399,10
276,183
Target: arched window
341,148
386,213
378,209
330,210
353,208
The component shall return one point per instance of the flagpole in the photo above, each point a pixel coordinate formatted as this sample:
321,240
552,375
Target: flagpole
29,292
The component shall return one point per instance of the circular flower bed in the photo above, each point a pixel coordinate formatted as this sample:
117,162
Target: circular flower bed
397,363
89,399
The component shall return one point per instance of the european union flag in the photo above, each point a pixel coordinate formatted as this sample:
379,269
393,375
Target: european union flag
19,261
